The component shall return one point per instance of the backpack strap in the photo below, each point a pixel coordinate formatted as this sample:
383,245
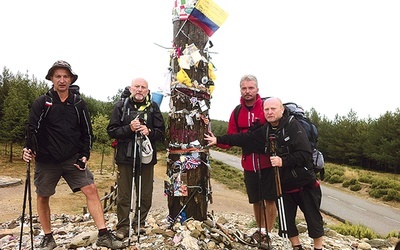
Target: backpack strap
236,115
236,112
125,101
48,102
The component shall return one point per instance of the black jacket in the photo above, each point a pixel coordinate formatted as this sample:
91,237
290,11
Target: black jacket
64,131
291,144
121,130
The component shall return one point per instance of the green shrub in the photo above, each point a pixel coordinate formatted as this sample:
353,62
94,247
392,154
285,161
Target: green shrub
355,187
358,231
377,193
335,179
366,178
350,182
392,195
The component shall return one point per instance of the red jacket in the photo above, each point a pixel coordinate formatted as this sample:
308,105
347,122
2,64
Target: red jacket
251,160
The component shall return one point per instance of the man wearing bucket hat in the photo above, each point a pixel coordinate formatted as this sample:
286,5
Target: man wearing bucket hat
59,138
137,123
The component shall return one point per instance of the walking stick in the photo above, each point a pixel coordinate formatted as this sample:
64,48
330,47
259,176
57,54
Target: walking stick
281,208
131,214
140,183
29,193
262,208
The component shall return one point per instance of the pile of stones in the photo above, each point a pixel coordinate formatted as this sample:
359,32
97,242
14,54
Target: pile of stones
219,231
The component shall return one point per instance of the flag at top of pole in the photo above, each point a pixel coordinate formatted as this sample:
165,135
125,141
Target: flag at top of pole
208,16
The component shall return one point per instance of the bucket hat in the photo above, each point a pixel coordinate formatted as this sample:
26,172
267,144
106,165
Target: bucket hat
61,64
147,151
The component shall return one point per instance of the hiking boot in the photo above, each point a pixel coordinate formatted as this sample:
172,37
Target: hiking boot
263,240
109,240
122,233
47,243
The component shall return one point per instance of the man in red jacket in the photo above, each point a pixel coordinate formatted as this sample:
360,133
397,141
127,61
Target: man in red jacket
258,173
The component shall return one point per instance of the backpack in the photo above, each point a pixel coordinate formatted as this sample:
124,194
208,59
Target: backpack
48,102
298,113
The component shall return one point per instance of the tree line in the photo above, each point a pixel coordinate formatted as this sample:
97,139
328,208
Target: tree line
372,144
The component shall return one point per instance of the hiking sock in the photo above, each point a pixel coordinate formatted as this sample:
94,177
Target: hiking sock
298,247
49,234
103,231
317,248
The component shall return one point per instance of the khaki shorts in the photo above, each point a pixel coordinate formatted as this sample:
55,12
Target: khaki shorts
47,176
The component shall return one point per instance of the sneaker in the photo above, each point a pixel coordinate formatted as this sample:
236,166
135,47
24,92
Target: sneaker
109,240
122,233
47,243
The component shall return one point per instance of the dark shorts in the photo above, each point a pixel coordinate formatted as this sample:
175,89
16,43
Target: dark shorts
260,187
309,202
47,176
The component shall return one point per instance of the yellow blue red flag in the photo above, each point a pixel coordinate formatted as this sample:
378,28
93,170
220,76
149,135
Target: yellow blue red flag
208,16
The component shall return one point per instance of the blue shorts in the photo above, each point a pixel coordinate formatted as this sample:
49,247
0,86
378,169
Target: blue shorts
47,175
258,187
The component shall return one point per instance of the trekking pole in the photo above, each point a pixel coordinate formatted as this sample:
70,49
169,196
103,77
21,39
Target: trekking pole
281,208
132,191
140,184
173,220
262,208
29,193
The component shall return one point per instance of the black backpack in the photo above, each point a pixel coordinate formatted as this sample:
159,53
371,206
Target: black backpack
297,112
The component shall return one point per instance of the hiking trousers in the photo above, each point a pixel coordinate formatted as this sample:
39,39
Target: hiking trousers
124,180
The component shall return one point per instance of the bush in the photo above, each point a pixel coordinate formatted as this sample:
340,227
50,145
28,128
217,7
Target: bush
355,187
366,178
377,193
392,195
350,182
358,231
334,179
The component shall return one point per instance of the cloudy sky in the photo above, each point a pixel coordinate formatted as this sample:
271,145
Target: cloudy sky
332,56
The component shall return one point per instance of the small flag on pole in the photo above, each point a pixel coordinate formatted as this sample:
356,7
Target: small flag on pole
208,16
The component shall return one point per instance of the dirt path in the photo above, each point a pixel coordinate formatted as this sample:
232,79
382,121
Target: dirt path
64,201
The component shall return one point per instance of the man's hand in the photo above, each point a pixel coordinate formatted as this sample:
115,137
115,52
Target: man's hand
276,161
210,138
81,163
27,155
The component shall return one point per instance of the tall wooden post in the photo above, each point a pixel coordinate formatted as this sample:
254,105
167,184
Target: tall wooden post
188,189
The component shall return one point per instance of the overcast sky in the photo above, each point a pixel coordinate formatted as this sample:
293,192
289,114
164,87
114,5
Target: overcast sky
333,56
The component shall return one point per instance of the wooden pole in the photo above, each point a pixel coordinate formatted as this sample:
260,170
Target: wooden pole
187,164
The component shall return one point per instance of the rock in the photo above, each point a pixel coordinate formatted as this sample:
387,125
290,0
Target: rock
84,239
79,232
